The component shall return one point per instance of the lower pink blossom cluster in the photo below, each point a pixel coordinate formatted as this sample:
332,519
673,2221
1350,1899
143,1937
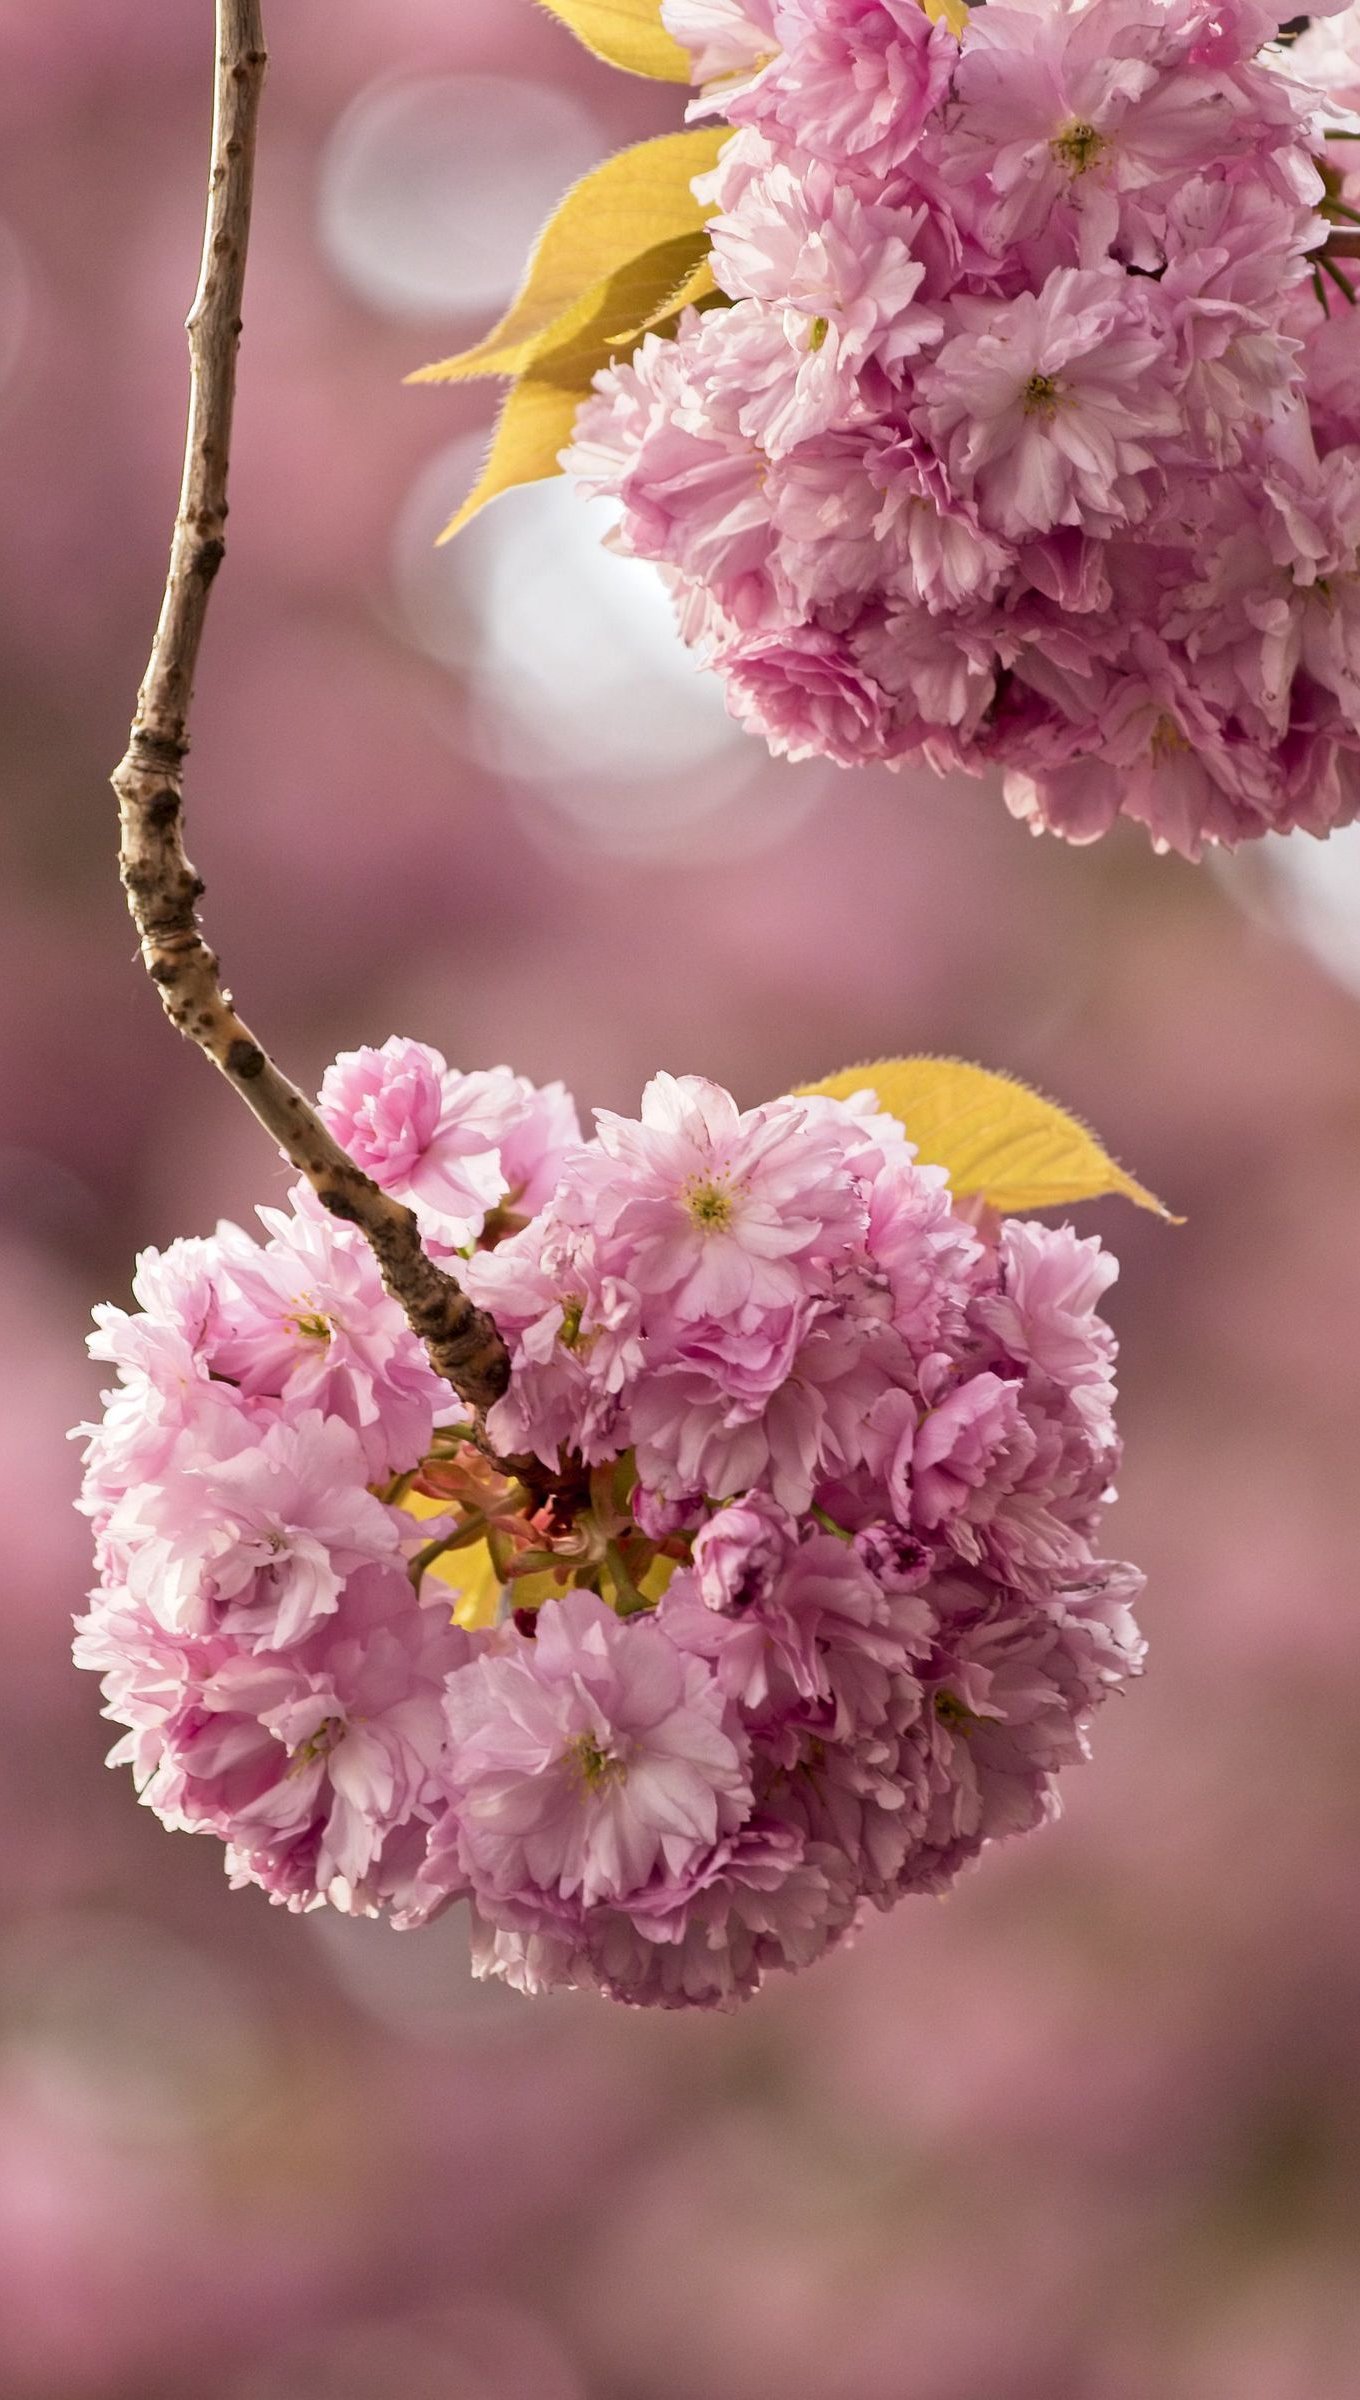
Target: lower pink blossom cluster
1023,428
771,1591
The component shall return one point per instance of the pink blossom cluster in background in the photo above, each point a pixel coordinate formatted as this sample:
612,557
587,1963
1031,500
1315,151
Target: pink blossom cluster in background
796,1498
1031,434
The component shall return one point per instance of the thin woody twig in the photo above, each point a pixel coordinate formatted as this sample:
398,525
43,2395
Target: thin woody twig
162,888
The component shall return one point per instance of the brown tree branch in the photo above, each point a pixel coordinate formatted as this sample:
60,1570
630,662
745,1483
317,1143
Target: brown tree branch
163,890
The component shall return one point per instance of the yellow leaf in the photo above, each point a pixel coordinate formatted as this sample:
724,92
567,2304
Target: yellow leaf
533,427
536,422
468,1574
472,1578
625,211
628,33
699,284
947,12
998,1139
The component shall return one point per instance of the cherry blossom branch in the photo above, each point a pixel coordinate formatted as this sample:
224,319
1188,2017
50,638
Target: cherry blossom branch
162,888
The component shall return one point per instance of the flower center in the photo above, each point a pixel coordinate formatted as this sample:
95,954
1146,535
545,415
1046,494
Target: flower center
1041,396
1077,147
595,1766
818,331
329,1733
710,1203
1167,738
569,1331
311,1326
951,1711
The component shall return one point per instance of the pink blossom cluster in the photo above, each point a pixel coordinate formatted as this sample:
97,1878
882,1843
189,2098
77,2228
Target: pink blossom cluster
793,1504
1029,434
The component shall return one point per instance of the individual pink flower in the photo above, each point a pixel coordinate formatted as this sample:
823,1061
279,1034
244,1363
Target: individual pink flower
1159,754
764,1901
306,1320
664,437
1045,1310
805,692
1099,113
1009,1691
255,1527
936,553
363,1740
942,678
436,1138
587,1761
783,1409
844,280
1041,94
831,529
816,1639
958,1445
721,1211
1276,598
574,1335
930,1257
540,1128
856,81
164,1382
739,1552
1044,408
1330,365
1233,250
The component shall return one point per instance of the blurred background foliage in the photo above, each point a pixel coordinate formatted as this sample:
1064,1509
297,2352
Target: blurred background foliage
1090,2129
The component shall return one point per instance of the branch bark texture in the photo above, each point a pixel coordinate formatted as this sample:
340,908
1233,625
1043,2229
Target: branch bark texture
162,888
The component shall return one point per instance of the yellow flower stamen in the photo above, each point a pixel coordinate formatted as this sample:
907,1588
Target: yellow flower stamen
595,1766
1041,396
710,1203
318,1745
311,1326
1078,147
951,1711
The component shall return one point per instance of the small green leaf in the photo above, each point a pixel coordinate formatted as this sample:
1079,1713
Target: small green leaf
997,1138
623,211
628,33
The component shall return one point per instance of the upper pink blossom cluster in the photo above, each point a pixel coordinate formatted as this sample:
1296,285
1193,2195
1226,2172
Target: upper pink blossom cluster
795,1499
1030,434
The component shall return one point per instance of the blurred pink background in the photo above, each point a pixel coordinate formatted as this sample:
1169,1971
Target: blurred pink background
1090,2129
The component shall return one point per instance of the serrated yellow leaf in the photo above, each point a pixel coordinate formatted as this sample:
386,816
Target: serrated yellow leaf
999,1140
623,212
536,421
533,427
628,33
699,284
947,12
